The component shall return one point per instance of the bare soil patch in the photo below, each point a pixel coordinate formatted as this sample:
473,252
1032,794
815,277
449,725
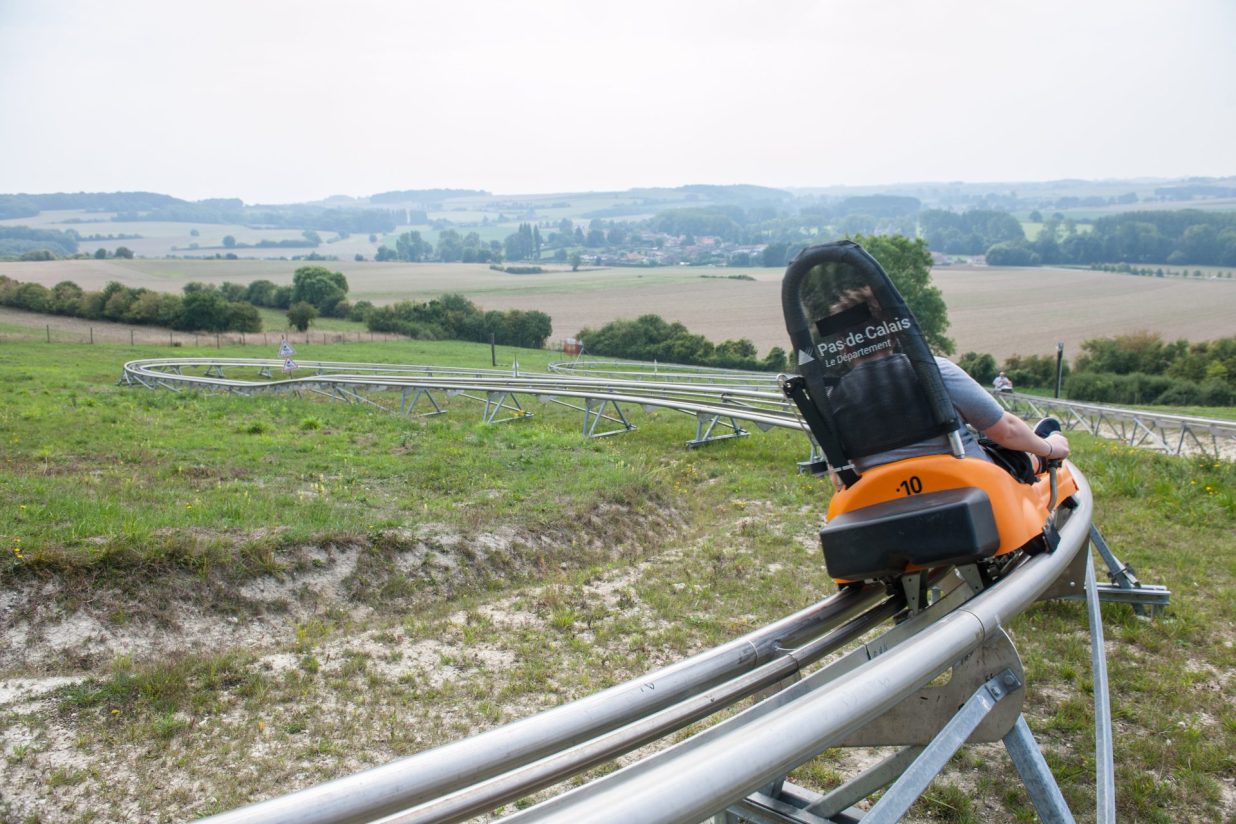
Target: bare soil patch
355,644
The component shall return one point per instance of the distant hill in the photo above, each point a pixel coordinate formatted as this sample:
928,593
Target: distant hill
420,197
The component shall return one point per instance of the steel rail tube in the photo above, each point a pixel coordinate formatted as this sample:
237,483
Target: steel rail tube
410,781
707,384
552,769
728,377
760,417
404,378
724,764
1148,415
414,376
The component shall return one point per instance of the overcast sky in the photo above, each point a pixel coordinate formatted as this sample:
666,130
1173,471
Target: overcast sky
287,100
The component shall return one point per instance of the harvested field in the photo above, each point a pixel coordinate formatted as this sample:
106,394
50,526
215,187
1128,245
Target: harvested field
1003,311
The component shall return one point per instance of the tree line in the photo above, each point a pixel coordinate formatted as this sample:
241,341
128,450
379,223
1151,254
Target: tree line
454,317
148,206
201,308
17,241
1181,237
1139,368
652,338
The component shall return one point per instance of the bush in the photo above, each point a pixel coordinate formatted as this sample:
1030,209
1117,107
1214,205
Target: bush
1143,352
1012,254
651,338
1140,388
454,317
301,314
1032,370
981,367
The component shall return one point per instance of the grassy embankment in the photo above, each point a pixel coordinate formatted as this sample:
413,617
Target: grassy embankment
278,591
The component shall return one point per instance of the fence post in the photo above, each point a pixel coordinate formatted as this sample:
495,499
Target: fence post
130,337
49,333
92,334
1059,366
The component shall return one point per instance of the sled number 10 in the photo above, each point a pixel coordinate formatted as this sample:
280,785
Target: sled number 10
911,486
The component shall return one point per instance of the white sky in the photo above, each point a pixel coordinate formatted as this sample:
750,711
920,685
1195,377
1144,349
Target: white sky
287,100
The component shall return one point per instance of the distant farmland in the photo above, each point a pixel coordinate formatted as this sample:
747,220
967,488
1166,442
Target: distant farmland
1003,311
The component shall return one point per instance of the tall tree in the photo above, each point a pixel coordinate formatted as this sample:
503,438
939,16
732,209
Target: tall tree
319,287
410,246
908,263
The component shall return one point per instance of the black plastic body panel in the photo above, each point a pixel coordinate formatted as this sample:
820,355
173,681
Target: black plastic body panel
932,529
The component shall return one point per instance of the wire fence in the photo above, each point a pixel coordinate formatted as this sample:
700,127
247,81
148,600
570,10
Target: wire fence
19,327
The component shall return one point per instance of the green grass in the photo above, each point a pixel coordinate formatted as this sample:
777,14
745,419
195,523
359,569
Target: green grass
484,572
99,475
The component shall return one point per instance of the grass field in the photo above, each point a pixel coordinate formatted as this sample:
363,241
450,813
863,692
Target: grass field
1003,311
209,600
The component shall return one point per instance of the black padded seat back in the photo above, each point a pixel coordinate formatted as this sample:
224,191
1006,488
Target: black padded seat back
867,381
879,406
932,529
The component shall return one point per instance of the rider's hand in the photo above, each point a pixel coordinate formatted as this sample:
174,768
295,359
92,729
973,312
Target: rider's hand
1059,446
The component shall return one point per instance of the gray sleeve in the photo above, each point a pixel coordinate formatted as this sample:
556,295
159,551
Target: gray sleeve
974,403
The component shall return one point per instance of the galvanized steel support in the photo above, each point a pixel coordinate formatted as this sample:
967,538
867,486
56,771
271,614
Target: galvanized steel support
1036,776
706,425
499,401
1173,434
594,413
406,406
1105,778
906,789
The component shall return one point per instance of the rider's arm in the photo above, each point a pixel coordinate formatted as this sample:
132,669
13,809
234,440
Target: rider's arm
1012,432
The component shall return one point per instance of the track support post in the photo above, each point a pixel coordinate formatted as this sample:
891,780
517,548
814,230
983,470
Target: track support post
893,805
706,425
594,413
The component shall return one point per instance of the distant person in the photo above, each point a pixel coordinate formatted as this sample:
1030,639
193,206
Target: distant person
1002,383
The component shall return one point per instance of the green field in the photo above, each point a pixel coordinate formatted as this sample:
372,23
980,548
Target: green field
210,600
1003,311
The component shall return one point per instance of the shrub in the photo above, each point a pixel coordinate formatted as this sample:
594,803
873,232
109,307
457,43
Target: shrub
1032,370
454,317
981,367
651,338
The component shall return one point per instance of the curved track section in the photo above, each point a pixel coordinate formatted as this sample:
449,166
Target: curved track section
731,760
721,408
721,400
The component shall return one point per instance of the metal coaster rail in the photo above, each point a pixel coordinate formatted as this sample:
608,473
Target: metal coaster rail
1172,434
719,398
715,406
735,769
